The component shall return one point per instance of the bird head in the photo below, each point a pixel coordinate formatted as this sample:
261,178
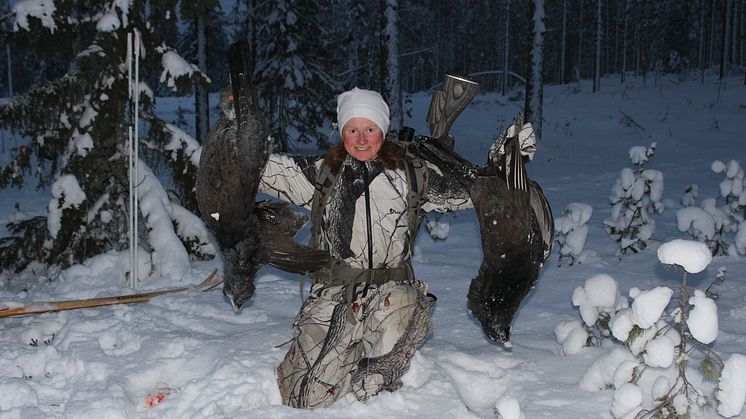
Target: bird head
496,331
494,318
238,292
226,103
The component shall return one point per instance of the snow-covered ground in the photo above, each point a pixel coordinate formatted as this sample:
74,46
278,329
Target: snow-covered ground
188,355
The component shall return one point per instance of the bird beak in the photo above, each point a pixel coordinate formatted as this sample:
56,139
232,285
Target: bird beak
236,307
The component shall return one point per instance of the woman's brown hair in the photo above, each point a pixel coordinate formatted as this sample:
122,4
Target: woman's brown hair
390,155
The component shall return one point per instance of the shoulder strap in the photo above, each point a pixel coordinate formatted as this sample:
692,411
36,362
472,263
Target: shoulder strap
321,195
416,172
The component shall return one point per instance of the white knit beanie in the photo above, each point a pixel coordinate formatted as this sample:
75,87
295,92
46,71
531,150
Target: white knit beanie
361,103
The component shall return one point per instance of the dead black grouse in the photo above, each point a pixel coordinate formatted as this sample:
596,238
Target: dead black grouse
249,233
516,228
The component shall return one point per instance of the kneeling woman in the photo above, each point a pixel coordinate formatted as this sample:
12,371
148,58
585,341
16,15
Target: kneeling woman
366,314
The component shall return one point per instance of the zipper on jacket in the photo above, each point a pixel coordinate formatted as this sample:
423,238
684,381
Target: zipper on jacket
366,181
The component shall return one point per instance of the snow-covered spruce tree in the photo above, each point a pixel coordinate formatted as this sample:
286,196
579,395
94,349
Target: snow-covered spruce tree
691,192
572,232
717,218
635,195
76,129
652,372
704,225
732,190
292,73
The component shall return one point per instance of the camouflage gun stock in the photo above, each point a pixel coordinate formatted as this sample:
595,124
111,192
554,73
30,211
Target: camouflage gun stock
447,104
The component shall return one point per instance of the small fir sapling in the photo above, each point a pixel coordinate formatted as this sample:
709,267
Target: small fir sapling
572,232
650,375
691,192
708,224
635,195
732,188
712,220
598,299
734,207
701,225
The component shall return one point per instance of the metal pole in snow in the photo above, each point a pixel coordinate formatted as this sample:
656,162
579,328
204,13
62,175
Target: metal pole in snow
136,211
130,220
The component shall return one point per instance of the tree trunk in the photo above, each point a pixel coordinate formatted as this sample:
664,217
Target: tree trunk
711,52
742,34
201,101
724,44
506,49
532,109
392,85
624,39
734,33
563,48
599,43
616,39
638,47
579,64
10,70
701,43
251,20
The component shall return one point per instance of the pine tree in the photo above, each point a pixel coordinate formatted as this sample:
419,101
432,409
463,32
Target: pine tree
206,43
76,131
292,73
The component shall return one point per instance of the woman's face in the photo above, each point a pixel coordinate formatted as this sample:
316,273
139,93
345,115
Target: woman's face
362,138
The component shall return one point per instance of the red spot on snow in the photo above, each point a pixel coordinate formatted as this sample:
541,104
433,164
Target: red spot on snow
153,399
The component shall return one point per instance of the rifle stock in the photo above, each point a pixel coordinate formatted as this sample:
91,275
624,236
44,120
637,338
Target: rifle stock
448,102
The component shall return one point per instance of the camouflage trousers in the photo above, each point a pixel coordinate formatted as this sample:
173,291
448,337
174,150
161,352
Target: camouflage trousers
363,347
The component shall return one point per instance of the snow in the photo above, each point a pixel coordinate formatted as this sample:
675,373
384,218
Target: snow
40,9
169,258
601,373
659,352
175,66
509,408
740,239
108,23
703,318
598,294
180,140
188,355
701,223
66,193
732,386
573,230
691,255
627,400
649,305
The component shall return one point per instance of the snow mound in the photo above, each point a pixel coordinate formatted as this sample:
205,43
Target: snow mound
691,255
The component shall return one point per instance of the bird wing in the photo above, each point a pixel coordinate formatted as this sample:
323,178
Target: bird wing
285,253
